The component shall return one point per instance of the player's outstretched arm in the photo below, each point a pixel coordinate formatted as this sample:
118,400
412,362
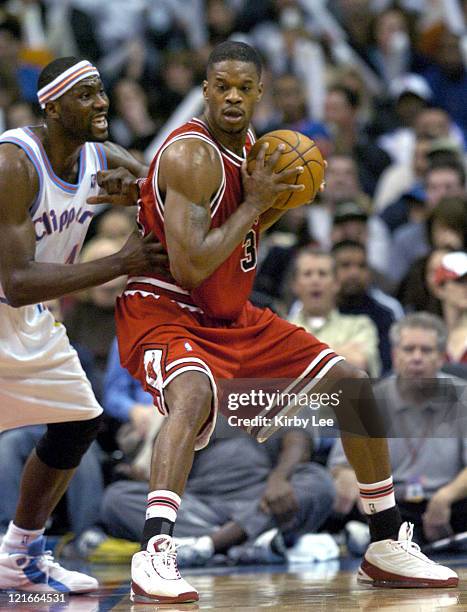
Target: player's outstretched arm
190,174
119,187
118,184
26,281
118,157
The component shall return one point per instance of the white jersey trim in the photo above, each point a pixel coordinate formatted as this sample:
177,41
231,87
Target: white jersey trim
186,135
156,296
157,283
235,159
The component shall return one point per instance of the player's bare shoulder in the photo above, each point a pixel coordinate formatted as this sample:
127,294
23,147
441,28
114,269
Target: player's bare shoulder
192,167
19,182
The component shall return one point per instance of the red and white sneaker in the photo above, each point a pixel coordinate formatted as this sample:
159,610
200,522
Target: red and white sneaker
400,564
155,576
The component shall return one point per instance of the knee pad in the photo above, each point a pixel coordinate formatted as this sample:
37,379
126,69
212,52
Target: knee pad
63,444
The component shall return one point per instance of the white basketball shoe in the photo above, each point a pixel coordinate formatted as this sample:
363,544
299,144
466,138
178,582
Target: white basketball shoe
35,570
155,576
400,564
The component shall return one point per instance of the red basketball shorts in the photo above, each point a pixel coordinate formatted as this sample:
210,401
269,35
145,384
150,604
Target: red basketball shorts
160,339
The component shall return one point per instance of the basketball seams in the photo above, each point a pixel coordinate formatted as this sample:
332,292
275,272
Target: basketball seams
284,204
284,141
305,164
311,174
293,150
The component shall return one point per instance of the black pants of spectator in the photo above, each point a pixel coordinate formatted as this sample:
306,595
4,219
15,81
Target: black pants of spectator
411,512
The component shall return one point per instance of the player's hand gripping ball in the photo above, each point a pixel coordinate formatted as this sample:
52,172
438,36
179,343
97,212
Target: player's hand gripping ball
299,151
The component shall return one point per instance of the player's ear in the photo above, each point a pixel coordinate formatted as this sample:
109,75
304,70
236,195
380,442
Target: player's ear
205,90
51,109
260,91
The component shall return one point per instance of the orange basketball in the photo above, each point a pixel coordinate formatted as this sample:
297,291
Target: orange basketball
300,151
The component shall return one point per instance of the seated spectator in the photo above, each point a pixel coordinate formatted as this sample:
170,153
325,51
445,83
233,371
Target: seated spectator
436,220
430,470
357,297
390,52
124,398
431,124
447,77
424,122
132,409
398,213
90,322
452,282
178,78
446,226
410,95
342,185
419,290
20,114
284,40
402,177
220,21
349,223
237,491
280,244
132,124
341,111
446,230
315,285
352,222
293,114
435,122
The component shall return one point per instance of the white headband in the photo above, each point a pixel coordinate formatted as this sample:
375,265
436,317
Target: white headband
65,81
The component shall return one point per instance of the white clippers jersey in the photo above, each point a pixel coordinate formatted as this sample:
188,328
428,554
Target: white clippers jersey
60,213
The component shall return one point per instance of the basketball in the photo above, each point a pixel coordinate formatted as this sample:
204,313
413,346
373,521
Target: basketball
300,151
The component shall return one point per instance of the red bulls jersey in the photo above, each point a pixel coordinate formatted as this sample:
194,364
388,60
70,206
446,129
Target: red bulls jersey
223,294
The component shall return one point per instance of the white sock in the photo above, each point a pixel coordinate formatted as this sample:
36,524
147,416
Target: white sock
377,496
163,504
17,539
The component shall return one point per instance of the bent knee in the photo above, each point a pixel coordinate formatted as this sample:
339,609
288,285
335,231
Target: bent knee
63,444
190,395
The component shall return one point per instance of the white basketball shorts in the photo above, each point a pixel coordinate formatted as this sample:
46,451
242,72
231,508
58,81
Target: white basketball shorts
41,378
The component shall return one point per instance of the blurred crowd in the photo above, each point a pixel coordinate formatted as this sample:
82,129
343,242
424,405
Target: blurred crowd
376,267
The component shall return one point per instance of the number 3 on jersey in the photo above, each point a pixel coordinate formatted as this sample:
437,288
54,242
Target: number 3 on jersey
248,262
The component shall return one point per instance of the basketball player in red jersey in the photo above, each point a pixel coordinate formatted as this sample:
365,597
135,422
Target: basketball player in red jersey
180,335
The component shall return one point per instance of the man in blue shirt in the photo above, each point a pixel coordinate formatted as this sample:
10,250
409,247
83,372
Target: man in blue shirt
357,297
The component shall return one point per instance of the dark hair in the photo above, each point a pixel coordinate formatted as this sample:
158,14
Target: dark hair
9,23
234,50
454,165
347,244
351,96
55,69
408,16
451,212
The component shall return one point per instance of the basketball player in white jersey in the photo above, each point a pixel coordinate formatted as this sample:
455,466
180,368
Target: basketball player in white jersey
47,173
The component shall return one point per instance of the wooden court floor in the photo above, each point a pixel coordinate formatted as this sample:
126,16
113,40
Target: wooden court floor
320,587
